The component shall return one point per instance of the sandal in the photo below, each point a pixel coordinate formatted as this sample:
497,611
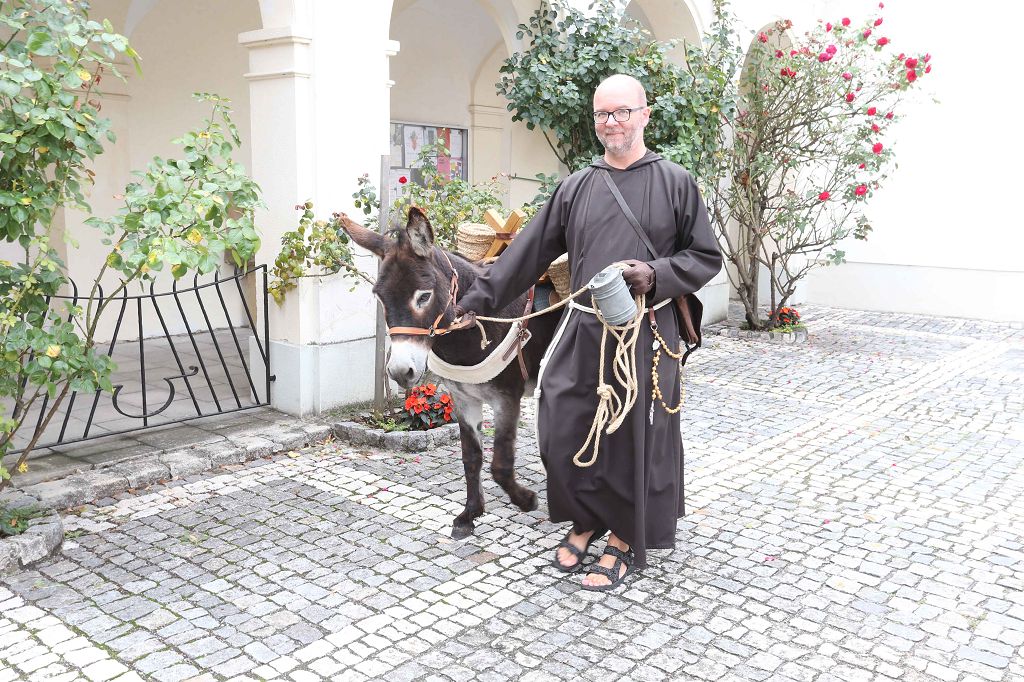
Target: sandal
580,554
621,558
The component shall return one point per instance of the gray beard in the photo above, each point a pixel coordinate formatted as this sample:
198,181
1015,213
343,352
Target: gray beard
620,148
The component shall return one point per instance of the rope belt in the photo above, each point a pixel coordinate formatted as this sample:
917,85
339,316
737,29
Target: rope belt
611,409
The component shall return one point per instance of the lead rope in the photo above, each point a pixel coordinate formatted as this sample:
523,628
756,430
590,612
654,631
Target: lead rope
611,409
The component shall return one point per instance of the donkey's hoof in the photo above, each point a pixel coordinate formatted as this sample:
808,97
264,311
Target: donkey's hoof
461,531
528,502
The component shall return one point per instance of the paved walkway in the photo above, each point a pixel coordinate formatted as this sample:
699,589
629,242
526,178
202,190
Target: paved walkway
856,512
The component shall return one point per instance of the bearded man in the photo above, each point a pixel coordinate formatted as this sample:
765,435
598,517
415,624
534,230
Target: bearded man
634,488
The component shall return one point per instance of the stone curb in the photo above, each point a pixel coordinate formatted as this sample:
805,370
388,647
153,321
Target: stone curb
42,538
771,337
138,472
400,441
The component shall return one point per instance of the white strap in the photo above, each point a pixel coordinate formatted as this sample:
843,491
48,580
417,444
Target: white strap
486,369
578,306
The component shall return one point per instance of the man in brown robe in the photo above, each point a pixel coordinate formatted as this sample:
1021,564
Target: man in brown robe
634,489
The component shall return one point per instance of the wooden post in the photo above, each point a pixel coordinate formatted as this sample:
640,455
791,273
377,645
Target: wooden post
380,370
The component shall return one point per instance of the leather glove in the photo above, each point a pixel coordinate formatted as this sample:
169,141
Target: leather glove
639,276
463,315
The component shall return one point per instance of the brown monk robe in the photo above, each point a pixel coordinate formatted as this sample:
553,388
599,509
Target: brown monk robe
635,487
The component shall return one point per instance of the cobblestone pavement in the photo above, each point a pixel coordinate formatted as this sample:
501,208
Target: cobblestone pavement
856,512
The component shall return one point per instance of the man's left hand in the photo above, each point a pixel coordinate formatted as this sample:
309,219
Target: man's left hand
639,276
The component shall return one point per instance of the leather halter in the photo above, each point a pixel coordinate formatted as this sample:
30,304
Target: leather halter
453,291
433,330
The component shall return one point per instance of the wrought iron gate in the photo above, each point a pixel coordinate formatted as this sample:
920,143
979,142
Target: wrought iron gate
180,355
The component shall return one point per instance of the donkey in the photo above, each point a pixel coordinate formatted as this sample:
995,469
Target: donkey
415,286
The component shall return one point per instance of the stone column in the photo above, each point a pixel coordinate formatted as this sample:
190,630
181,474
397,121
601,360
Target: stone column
319,102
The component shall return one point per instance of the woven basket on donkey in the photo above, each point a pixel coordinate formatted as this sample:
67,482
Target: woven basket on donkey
559,274
474,239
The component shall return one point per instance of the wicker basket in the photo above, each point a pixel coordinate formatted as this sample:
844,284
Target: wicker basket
558,273
474,239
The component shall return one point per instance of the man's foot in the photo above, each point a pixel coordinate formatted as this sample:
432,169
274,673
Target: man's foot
617,562
572,550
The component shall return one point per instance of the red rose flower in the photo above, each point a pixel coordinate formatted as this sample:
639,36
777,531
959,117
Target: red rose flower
927,57
902,56
861,166
877,148
847,75
861,190
878,21
792,53
828,27
866,33
849,97
778,53
875,128
824,57
762,37
911,76
402,180
872,111
881,5
911,63
831,49
846,21
889,115
883,41
928,69
824,196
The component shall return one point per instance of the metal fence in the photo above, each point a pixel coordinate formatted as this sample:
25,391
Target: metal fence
179,355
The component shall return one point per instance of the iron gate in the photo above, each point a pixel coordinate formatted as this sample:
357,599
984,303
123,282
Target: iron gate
206,355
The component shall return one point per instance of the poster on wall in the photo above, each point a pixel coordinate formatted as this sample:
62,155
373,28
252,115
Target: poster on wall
397,145
413,138
407,141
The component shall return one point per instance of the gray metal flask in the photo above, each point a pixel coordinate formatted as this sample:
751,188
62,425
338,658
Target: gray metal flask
612,297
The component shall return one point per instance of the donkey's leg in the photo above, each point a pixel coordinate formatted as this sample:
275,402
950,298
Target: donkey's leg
506,422
470,417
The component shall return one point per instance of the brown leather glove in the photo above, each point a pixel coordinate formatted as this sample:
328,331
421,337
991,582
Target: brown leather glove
639,276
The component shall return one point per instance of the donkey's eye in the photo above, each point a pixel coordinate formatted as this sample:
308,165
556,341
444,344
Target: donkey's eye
422,298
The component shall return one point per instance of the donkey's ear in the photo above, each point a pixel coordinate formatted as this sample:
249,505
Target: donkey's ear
368,239
420,233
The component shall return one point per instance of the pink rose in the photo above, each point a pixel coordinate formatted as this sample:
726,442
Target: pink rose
831,49
762,37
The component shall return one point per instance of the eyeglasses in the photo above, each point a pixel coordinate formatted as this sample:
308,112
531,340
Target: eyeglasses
620,115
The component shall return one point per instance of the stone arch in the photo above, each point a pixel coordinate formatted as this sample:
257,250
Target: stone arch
669,20
445,74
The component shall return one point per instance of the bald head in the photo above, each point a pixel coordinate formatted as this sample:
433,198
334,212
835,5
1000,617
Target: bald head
621,87
621,114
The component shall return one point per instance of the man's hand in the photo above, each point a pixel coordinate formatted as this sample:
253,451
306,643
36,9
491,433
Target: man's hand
464,316
639,276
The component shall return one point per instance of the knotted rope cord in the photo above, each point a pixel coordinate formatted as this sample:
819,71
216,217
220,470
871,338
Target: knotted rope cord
611,409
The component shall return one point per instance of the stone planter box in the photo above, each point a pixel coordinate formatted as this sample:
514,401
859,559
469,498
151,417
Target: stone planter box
799,336
398,441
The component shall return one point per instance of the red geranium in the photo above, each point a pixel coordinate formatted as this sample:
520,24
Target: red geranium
425,413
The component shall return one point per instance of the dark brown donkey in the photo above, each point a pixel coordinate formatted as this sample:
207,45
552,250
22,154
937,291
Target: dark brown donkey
414,284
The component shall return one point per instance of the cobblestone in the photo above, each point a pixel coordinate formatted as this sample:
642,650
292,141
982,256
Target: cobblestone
855,510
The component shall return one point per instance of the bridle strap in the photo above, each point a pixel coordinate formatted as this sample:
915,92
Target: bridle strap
433,329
